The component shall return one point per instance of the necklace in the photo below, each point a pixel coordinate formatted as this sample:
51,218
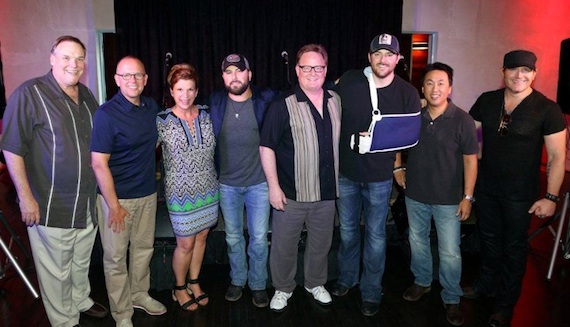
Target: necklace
237,111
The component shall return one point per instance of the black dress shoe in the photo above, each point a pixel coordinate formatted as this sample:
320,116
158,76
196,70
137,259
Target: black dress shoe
260,298
97,311
339,289
234,293
369,309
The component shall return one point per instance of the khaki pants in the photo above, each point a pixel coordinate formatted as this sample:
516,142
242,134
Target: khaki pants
138,238
62,257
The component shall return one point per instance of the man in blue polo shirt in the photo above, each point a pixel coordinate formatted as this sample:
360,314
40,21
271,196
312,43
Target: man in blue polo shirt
123,158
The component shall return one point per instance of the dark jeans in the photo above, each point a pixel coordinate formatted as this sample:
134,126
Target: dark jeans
503,227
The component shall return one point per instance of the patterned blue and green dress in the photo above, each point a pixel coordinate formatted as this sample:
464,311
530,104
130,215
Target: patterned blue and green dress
190,181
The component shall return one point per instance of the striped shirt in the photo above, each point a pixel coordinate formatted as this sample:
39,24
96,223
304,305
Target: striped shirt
52,133
305,145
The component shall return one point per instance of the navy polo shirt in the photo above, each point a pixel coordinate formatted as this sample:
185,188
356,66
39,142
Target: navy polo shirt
128,133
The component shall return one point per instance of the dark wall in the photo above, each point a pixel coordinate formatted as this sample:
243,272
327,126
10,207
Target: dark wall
2,91
563,94
202,33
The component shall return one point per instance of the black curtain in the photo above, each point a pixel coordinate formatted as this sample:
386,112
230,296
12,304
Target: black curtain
202,33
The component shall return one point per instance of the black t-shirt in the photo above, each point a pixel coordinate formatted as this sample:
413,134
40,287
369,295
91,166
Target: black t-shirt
435,165
510,164
397,98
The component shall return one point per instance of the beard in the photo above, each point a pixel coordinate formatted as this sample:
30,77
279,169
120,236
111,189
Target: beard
238,90
382,74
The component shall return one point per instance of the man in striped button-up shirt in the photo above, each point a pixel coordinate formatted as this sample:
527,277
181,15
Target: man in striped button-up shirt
299,155
46,138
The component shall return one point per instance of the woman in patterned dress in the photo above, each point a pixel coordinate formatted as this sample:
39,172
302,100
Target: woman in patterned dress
190,182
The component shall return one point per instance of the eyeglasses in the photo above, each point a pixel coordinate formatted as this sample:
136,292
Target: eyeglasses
307,69
126,77
505,120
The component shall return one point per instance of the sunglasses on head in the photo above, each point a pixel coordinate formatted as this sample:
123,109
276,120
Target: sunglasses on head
505,120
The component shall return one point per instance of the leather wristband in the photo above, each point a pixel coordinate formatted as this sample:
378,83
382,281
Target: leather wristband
551,197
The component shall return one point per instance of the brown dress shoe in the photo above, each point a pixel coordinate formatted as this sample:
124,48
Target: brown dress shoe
453,314
497,319
97,311
469,292
415,292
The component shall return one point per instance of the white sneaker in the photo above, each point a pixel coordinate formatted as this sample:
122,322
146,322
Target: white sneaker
279,301
320,294
150,305
125,323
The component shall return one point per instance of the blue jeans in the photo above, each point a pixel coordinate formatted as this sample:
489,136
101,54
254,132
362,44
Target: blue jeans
372,199
256,200
448,229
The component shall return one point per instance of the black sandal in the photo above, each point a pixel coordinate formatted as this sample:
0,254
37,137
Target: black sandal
188,303
200,298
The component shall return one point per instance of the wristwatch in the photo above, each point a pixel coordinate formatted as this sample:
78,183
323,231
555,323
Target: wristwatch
469,198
